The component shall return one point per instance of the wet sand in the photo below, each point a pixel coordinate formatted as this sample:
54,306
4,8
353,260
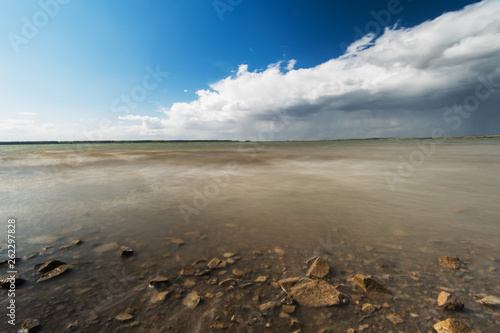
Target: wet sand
275,205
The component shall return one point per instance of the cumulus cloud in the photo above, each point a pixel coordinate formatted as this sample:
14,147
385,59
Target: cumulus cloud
398,84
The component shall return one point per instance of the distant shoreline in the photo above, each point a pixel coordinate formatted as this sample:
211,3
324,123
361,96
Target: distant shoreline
227,141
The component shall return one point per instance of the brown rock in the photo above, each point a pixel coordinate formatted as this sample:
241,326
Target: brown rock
451,325
159,281
176,241
212,264
267,308
160,297
319,269
191,300
49,265
124,317
288,308
5,281
449,302
241,273
450,262
261,279
126,251
395,319
187,271
30,325
315,293
490,301
60,270
227,283
370,286
368,308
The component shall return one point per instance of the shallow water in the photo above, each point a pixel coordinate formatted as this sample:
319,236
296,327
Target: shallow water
388,208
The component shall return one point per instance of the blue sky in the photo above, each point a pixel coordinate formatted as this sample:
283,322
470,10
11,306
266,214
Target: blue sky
227,69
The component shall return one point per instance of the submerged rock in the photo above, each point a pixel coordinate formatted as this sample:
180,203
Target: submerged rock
490,301
29,326
124,317
214,263
319,269
192,300
315,293
370,286
268,307
395,319
160,297
449,302
242,273
187,271
451,325
450,262
175,240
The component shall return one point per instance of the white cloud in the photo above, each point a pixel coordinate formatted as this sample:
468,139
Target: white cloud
27,113
409,73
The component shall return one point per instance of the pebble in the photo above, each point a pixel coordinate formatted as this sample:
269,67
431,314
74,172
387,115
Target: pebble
395,319
124,316
451,325
450,262
159,281
192,300
449,302
160,297
126,251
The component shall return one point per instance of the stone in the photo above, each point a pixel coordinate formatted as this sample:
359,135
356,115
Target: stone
212,264
395,319
126,251
160,297
266,308
5,280
288,300
370,286
279,251
202,272
189,284
227,283
242,273
450,262
229,254
175,240
319,269
191,300
288,308
77,242
490,301
53,273
48,266
449,302
261,279
124,317
230,261
29,326
187,271
159,281
314,293
451,325
368,308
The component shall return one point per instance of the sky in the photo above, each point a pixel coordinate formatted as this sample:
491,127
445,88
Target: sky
248,70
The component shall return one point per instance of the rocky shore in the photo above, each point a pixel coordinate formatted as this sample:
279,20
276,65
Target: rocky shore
259,290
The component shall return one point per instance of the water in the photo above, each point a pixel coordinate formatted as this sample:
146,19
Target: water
384,207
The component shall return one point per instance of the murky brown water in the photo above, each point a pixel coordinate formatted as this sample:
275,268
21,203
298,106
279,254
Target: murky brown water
386,208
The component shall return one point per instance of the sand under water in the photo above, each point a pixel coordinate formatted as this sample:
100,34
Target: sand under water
386,208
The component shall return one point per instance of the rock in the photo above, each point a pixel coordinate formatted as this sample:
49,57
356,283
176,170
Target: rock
242,273
160,297
450,262
368,308
315,293
159,281
490,301
227,283
228,254
5,280
449,302
245,285
175,240
395,319
126,251
124,317
77,242
279,251
261,279
54,273
199,262
187,271
188,284
48,266
319,269
212,264
370,286
192,300
451,325
288,308
288,300
266,308
29,326
230,261
202,272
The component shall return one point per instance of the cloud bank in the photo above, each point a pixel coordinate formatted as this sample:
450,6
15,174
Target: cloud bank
398,84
